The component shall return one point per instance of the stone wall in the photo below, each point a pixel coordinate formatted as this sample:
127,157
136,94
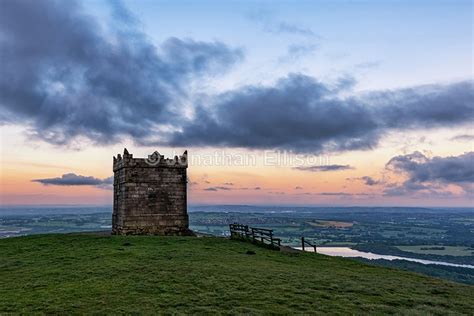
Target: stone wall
150,195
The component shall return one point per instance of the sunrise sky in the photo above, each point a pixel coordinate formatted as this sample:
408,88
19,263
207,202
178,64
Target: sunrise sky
277,102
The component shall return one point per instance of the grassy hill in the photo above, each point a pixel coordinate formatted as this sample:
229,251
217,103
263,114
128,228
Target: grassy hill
104,274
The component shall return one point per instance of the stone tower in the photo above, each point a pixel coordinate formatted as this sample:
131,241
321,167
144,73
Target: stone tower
150,195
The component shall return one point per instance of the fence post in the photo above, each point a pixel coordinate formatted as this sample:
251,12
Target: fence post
302,243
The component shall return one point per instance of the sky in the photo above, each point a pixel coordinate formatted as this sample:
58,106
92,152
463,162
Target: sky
323,103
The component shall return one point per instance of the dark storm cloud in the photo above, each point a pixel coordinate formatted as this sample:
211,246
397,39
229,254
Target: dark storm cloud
324,168
425,106
298,113
302,114
453,169
431,175
72,179
65,75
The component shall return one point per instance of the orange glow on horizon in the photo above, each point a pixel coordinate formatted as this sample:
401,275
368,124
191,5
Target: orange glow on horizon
278,182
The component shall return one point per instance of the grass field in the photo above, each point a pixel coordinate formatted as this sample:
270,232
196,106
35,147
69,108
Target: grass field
436,250
333,224
79,273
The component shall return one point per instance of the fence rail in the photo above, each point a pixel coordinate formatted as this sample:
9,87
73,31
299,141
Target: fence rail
254,234
304,241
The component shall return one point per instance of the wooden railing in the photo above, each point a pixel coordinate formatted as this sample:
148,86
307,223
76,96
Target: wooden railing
304,241
256,235
239,230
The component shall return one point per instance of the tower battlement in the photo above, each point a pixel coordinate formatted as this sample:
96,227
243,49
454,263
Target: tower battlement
154,160
150,195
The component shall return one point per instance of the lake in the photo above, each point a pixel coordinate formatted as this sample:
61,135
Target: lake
351,253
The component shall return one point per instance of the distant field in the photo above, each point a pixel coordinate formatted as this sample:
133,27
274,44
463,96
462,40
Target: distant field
91,274
439,250
339,244
331,224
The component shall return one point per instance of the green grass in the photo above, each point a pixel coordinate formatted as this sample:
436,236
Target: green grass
447,251
78,274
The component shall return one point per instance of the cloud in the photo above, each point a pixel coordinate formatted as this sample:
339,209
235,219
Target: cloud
271,25
297,114
290,28
334,193
254,188
370,181
309,41
416,190
324,168
367,65
72,179
297,51
74,78
107,183
367,180
453,169
66,76
463,138
301,114
228,183
431,175
345,194
218,188
425,106
298,188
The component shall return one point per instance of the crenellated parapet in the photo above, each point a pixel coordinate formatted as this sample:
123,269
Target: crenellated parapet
152,161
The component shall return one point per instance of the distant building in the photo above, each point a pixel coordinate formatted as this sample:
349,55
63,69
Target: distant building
150,195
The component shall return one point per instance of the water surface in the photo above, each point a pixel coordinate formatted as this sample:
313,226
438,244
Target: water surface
351,253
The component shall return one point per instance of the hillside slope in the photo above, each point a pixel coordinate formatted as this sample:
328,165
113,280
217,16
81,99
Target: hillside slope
104,274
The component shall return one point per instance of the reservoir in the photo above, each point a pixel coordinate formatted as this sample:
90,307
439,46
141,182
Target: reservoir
351,253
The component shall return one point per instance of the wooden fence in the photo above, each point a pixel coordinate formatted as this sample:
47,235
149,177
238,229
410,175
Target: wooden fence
256,235
305,242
